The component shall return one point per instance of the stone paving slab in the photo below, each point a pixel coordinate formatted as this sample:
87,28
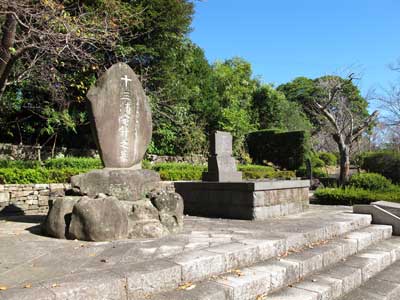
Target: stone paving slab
29,259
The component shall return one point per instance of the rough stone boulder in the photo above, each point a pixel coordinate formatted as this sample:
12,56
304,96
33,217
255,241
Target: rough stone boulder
59,217
124,184
106,218
170,208
100,219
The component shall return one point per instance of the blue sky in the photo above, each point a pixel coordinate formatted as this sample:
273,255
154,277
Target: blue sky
283,39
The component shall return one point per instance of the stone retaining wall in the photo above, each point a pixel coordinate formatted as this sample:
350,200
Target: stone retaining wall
28,152
28,198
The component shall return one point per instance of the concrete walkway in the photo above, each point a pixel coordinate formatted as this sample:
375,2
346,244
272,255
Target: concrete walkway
37,267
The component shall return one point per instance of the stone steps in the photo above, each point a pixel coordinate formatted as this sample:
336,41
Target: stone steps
383,286
345,276
265,277
149,279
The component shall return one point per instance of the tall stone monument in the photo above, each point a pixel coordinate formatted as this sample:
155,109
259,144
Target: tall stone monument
121,200
221,163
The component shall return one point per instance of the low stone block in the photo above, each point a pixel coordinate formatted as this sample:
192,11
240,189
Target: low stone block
200,264
246,284
149,278
92,285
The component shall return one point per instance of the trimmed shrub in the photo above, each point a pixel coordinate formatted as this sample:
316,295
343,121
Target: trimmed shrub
328,158
73,162
285,149
38,175
370,181
20,164
317,172
386,163
175,175
351,196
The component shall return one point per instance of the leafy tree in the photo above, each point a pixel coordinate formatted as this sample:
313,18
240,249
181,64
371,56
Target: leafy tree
271,109
235,88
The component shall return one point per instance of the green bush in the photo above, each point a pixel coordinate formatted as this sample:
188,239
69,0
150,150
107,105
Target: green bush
386,163
20,164
73,162
370,181
351,196
38,175
328,158
175,175
184,171
285,149
177,166
316,172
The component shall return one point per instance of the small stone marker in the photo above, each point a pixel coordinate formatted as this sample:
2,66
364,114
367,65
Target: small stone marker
121,117
221,164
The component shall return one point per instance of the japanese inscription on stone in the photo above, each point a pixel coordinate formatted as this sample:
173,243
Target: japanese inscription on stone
121,117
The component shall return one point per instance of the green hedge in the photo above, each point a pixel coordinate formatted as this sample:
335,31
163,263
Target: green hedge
60,170
38,175
386,163
285,149
370,181
351,196
317,172
73,162
183,171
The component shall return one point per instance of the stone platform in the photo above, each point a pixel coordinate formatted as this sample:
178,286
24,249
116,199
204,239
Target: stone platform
212,259
251,200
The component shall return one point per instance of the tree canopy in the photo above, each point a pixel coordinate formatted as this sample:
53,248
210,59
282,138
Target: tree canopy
52,51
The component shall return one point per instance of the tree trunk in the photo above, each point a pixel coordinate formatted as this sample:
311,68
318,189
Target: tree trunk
344,153
7,42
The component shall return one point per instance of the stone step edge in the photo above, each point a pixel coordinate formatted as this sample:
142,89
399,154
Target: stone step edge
170,274
344,277
256,279
383,286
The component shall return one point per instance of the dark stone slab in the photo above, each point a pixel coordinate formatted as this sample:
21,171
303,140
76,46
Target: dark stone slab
125,184
244,200
121,117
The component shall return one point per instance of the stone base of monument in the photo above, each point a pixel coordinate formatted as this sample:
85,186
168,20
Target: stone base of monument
115,204
258,200
125,184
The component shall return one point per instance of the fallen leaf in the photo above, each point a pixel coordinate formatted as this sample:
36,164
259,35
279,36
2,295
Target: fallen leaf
238,273
3,288
187,286
27,286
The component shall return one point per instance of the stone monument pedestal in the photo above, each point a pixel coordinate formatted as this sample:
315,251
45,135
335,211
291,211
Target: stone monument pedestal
223,194
258,200
124,184
121,201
